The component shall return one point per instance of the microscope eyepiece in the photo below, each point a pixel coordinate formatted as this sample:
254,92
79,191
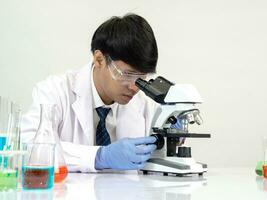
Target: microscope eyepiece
156,89
141,84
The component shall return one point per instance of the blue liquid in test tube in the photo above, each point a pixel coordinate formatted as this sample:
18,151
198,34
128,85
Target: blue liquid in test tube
2,141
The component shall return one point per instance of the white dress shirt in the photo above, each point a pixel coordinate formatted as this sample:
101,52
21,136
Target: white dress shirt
111,117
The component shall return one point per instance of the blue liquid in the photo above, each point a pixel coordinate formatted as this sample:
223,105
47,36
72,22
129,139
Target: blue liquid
37,177
2,142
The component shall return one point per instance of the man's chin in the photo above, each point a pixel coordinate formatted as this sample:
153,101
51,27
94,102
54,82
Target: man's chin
124,100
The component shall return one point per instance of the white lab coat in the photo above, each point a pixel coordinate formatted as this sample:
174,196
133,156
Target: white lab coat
72,94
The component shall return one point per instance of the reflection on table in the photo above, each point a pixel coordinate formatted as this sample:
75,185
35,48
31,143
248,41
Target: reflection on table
219,184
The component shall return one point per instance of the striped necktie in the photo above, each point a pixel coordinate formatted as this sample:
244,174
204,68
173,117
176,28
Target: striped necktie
102,136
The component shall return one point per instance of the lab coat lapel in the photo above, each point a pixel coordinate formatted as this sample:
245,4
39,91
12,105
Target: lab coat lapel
82,107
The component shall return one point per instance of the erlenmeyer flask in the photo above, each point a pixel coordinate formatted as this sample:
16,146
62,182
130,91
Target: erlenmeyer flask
47,133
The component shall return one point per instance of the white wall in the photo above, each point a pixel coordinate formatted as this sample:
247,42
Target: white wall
220,46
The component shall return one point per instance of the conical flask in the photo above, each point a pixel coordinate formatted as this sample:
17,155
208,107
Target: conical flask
47,133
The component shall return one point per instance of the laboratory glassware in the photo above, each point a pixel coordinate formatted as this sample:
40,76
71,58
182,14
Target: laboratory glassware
10,115
47,133
13,129
4,115
10,167
5,110
38,166
264,167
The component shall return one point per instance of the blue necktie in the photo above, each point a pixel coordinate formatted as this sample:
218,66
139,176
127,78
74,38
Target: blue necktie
102,136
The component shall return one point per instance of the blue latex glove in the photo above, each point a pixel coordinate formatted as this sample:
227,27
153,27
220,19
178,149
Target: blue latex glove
178,126
125,154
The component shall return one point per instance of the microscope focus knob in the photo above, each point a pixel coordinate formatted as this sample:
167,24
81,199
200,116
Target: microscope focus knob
160,140
184,152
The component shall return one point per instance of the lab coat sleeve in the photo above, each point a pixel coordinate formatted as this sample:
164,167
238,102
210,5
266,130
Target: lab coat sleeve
77,157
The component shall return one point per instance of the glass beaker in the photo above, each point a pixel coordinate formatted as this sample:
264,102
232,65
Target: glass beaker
9,169
47,133
38,166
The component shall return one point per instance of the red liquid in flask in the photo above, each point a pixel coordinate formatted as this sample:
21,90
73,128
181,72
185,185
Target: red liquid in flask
60,174
36,177
264,171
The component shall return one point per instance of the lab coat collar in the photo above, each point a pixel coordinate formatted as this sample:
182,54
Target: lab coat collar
82,84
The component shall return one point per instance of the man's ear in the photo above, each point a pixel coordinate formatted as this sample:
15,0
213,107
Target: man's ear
99,59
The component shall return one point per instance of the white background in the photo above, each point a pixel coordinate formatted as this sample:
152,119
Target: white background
219,46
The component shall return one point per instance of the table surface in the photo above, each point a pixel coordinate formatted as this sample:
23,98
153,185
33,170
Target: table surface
225,183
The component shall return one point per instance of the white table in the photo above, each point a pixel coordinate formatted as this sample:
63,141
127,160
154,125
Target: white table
232,183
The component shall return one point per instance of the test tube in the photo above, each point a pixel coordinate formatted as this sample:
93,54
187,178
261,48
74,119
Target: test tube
264,167
13,130
5,108
9,169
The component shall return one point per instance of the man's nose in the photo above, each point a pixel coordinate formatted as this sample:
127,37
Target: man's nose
133,87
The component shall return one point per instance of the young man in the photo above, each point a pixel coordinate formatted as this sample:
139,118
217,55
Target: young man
101,117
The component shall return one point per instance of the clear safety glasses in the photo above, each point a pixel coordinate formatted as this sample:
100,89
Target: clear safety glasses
123,77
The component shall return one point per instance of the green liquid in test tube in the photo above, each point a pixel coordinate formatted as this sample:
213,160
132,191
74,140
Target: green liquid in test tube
8,179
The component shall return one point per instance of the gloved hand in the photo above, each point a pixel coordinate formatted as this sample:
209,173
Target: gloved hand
125,154
178,125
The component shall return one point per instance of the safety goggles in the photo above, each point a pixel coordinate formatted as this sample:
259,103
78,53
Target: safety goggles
123,76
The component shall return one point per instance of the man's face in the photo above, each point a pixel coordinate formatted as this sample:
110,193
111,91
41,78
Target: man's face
120,91
111,87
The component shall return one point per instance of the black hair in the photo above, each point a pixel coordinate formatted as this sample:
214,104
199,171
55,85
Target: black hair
130,39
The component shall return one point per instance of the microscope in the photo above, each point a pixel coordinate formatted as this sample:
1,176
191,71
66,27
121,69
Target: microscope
177,104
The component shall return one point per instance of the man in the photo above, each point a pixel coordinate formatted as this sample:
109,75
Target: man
101,117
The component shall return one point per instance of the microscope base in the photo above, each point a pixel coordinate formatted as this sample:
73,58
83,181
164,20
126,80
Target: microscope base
169,166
